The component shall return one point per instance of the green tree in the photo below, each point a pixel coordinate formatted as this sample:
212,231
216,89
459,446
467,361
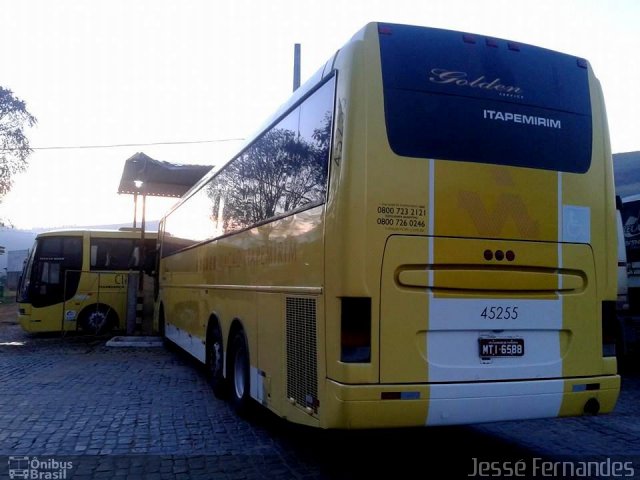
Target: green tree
14,144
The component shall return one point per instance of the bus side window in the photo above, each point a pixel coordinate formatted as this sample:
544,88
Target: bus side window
110,261
134,260
101,257
94,256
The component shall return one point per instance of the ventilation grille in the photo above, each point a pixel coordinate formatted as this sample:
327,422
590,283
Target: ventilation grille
302,373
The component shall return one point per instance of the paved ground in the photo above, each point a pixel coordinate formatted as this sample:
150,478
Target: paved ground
149,414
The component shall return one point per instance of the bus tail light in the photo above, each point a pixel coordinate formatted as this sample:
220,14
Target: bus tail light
355,330
609,329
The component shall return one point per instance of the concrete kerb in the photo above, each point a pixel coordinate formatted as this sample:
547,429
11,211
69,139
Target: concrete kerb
139,341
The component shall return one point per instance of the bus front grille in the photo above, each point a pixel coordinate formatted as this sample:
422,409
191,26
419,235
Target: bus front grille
302,381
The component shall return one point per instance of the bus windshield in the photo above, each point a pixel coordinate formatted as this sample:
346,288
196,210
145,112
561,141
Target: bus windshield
52,272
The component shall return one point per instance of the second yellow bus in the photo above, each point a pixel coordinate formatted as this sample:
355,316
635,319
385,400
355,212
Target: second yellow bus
77,279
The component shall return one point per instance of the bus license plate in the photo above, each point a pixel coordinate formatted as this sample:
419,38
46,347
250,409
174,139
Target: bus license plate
501,347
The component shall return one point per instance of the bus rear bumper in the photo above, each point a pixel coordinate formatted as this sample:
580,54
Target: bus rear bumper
390,406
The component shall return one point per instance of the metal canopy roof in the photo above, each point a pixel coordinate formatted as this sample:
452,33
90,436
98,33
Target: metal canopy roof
159,179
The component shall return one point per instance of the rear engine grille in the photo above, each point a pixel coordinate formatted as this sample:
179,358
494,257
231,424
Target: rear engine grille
302,374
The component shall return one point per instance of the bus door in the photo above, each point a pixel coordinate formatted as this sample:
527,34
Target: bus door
56,271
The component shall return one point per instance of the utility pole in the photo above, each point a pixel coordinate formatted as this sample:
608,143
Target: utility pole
296,66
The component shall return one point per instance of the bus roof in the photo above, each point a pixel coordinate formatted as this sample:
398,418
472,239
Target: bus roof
126,233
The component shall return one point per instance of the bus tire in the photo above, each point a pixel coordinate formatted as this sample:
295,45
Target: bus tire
215,361
97,319
239,373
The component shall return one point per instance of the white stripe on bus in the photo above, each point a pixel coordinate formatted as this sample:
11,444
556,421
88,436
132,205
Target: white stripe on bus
493,402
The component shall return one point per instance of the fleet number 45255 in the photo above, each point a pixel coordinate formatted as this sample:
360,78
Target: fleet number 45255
500,313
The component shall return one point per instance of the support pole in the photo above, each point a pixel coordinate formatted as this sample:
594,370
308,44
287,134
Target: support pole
132,302
296,66
135,209
142,249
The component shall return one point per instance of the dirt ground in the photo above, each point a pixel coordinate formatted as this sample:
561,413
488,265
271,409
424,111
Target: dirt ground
9,313
10,330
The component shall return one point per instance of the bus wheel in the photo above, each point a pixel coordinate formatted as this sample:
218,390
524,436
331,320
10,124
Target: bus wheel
97,319
239,370
215,362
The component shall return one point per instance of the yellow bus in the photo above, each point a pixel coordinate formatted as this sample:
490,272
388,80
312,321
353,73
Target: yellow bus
424,234
77,279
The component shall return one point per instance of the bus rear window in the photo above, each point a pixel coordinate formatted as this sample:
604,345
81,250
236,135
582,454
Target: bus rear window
453,96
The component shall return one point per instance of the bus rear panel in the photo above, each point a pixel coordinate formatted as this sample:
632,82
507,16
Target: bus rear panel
485,218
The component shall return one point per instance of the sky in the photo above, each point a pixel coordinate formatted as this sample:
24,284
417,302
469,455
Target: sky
148,72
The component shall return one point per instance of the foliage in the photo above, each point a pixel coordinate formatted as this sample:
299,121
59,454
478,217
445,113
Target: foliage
14,145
